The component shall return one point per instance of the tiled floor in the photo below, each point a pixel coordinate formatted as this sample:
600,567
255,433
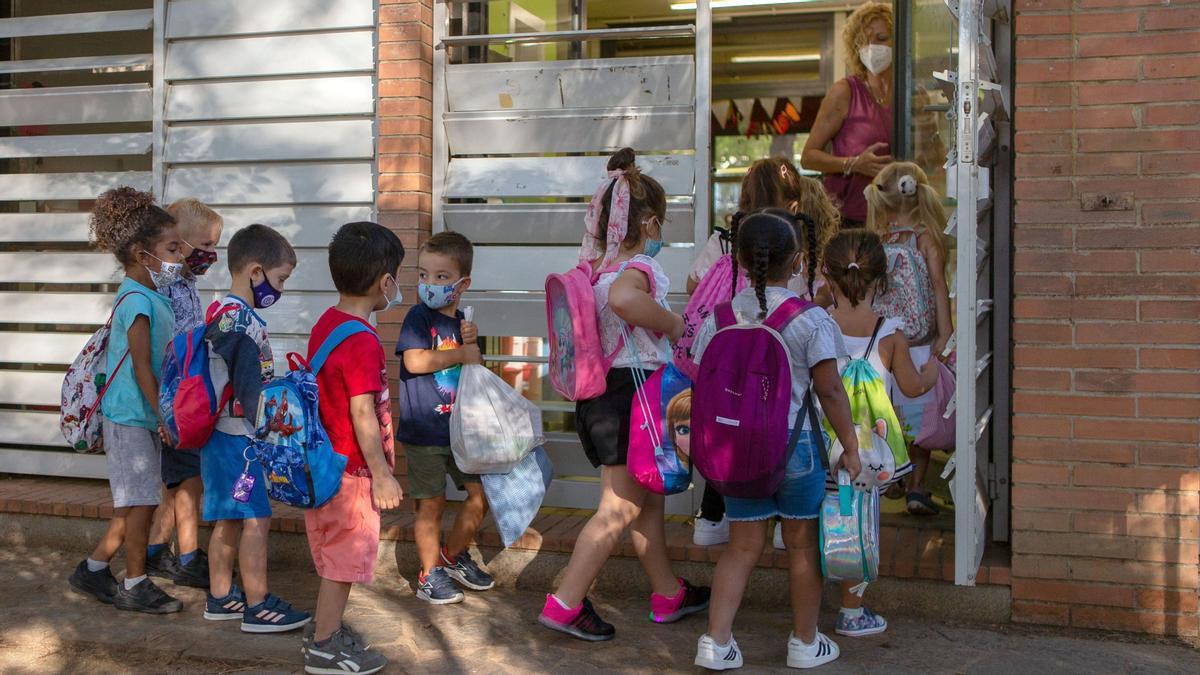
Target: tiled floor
909,547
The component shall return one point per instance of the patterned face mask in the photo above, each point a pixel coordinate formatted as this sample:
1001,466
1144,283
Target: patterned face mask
265,294
199,260
167,273
437,297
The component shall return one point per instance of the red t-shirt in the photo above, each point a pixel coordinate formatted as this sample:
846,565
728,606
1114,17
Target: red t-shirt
357,366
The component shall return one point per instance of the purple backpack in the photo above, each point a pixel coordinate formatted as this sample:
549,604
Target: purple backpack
743,389
716,287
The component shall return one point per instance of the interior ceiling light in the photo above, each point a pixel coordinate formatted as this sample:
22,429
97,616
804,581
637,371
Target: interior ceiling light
727,4
774,58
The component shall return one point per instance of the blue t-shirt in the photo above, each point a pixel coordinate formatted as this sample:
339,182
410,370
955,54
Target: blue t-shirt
123,402
426,400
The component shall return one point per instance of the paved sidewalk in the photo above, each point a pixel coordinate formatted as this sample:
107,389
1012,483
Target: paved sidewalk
45,627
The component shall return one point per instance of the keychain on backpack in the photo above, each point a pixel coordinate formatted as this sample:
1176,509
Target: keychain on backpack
244,485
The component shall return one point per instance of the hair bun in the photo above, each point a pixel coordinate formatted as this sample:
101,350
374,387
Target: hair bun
622,159
907,185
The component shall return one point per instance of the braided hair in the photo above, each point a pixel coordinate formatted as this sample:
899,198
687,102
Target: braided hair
806,231
734,222
766,246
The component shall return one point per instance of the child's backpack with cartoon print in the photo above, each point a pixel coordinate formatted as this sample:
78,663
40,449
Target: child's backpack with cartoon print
187,400
299,462
84,387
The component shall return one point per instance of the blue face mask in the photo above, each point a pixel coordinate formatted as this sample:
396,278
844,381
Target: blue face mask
438,297
265,294
653,246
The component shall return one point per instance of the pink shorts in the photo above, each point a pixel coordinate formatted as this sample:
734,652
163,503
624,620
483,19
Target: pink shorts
343,534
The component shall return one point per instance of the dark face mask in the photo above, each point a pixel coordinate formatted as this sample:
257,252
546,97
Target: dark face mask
265,294
199,260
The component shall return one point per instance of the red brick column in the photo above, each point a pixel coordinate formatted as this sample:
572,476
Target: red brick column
1106,487
405,145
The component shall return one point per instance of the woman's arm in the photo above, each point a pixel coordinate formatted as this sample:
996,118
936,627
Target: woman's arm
830,117
631,301
911,383
144,372
828,385
941,293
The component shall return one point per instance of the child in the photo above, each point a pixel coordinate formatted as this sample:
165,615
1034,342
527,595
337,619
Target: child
343,534
434,343
855,269
766,246
906,212
260,262
769,183
624,225
145,241
200,231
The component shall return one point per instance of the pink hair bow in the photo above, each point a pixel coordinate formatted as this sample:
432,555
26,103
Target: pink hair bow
618,220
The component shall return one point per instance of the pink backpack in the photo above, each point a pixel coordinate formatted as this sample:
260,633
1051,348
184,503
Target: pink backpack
938,419
578,362
740,439
716,287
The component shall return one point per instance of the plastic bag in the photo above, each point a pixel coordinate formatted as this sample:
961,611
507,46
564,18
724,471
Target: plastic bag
492,427
515,497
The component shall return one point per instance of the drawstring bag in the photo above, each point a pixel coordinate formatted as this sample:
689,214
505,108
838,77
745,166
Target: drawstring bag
660,421
515,497
937,418
492,427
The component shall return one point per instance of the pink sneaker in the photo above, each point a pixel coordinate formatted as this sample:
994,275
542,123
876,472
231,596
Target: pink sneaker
581,622
689,600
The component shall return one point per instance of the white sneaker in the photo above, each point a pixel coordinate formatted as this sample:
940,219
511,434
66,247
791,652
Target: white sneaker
713,656
708,533
821,651
779,536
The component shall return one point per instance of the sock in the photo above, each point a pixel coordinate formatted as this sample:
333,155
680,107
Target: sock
130,583
562,604
96,565
154,549
187,558
852,613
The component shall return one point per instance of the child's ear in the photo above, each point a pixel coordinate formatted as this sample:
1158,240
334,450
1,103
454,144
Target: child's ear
464,285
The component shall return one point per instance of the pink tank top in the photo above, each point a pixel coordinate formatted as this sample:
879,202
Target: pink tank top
866,123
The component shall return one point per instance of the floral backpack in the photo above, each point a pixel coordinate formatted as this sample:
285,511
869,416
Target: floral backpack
84,387
910,292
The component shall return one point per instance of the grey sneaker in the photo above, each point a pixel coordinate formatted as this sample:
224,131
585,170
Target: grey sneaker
310,631
340,654
436,588
145,597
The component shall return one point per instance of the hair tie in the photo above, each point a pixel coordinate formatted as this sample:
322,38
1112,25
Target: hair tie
853,266
783,170
907,186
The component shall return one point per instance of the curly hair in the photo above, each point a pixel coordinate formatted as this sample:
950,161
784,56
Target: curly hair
854,34
123,218
903,187
646,198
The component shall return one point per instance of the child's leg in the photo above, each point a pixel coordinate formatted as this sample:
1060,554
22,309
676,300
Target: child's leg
137,533
164,518
466,523
850,600
620,501
427,530
746,542
331,605
113,537
650,542
920,461
187,516
252,558
804,570
222,547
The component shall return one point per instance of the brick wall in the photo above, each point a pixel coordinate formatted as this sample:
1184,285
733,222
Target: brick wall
405,146
1106,487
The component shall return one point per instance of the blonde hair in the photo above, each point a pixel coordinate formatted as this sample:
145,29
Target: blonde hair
679,410
854,33
190,212
903,188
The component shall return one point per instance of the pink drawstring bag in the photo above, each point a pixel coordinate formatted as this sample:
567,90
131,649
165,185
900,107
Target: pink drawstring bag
938,418
660,422
715,288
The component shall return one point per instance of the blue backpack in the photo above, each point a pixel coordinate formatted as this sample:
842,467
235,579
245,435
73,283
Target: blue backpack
302,468
187,401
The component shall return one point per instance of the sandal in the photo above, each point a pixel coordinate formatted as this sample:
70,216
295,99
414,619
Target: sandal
920,504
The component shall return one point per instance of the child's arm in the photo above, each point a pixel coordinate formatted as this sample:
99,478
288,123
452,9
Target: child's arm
941,293
144,372
631,301
911,383
385,489
241,357
827,383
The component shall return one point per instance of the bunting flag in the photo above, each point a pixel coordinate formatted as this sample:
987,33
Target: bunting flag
760,121
785,117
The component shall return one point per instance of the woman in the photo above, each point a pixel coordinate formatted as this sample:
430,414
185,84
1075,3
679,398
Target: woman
856,115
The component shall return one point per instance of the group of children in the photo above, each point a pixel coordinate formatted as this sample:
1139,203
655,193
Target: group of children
786,239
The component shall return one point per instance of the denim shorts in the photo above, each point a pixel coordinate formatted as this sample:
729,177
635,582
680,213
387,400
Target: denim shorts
800,495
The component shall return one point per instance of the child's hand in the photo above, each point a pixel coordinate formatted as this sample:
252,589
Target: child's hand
162,433
470,332
472,355
850,463
677,329
386,492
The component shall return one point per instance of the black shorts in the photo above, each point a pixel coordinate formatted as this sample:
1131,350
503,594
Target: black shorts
179,465
603,422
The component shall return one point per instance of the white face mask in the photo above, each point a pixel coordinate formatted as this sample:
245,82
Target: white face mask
167,274
877,58
396,300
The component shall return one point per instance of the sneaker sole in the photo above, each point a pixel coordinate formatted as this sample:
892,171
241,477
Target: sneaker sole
106,599
573,632
862,633
707,541
814,663
213,616
422,595
169,608
683,612
273,627
314,670
462,579
717,665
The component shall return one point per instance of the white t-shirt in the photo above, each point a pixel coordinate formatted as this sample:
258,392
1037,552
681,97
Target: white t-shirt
857,348
713,250
653,351
811,338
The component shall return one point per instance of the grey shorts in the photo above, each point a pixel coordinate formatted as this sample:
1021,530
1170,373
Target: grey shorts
134,457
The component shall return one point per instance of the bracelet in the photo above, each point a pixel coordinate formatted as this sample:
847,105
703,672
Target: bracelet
850,165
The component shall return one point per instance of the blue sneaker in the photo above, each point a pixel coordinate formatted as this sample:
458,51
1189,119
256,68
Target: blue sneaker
867,623
273,615
436,588
465,571
227,608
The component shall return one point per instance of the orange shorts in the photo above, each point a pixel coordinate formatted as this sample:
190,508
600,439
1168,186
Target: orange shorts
343,534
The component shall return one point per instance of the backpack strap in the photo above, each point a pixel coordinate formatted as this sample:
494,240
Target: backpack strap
786,311
874,336
336,337
809,411
725,316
